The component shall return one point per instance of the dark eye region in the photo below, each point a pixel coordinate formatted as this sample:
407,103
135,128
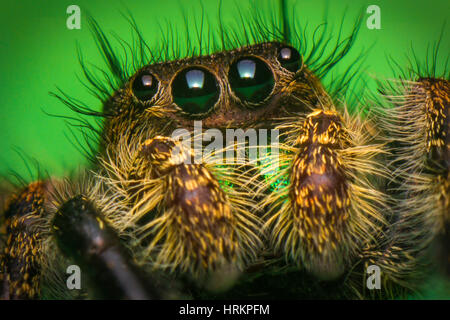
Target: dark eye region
251,79
195,90
289,59
145,86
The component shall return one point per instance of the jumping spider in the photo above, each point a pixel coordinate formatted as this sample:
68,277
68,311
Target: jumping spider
149,222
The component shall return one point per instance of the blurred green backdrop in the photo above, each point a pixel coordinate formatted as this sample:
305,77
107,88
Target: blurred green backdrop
38,53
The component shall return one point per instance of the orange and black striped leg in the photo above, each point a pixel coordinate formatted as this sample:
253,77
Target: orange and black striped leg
85,237
19,261
333,208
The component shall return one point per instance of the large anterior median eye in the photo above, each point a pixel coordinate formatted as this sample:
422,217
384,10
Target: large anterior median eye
145,86
195,90
251,79
289,58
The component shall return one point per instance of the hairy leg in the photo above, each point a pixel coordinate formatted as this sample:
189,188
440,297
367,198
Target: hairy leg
332,205
83,236
416,127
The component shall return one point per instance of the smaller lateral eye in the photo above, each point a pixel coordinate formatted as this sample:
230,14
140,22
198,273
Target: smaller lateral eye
289,58
145,86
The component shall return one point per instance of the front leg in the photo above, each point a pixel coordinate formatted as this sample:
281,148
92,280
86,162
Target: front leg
196,227
83,235
330,206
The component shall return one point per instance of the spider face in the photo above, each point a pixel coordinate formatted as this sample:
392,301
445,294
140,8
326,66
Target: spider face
250,87
199,226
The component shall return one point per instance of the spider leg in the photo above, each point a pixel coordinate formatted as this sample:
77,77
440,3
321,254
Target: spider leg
19,262
417,128
83,235
198,228
333,207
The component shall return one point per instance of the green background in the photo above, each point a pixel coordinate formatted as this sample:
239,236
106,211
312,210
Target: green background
38,53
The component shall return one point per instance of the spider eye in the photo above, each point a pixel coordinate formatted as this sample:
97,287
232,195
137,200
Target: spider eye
289,59
251,79
195,90
145,86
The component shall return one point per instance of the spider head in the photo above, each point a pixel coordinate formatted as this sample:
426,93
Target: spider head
249,87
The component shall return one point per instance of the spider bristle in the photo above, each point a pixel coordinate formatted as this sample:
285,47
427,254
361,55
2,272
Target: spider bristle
413,115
